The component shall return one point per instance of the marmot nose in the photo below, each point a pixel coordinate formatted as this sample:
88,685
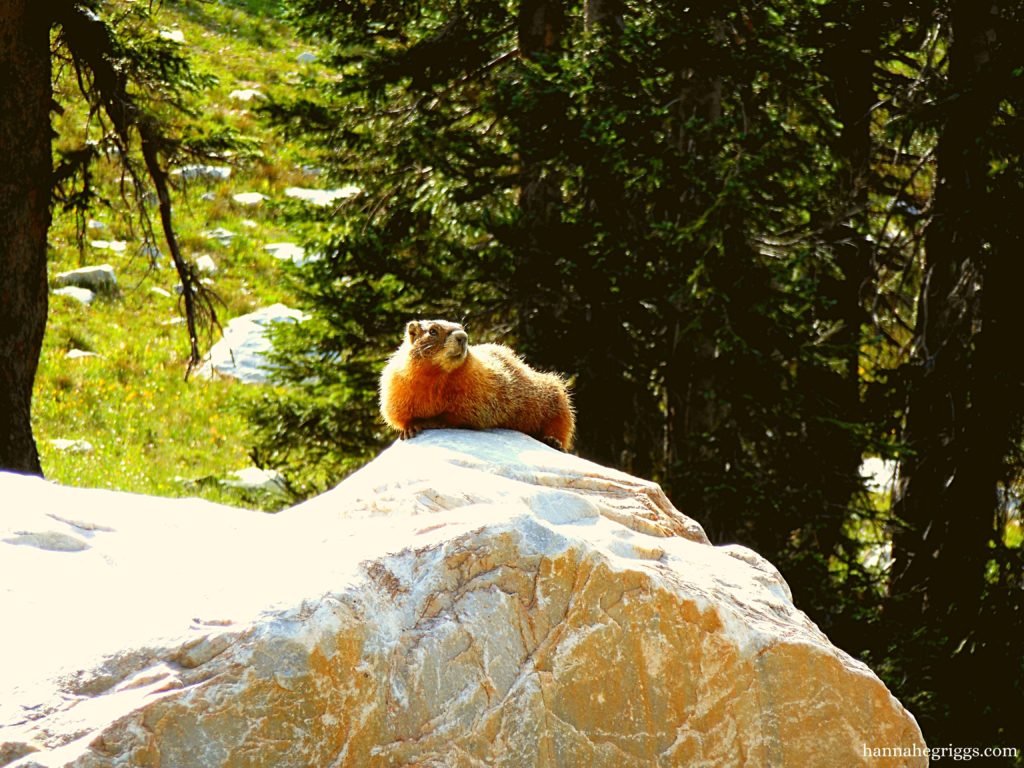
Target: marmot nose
461,337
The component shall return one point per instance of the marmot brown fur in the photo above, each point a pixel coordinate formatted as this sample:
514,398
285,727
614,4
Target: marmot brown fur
436,379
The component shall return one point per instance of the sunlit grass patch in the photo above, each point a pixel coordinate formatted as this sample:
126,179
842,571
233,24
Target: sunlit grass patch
123,389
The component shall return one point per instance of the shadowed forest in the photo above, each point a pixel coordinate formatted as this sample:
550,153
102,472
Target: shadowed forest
767,242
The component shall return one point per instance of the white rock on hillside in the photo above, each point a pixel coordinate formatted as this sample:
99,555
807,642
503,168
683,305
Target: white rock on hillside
205,265
221,235
205,172
72,446
81,295
99,279
80,354
467,599
322,197
117,246
249,198
245,94
296,254
174,35
241,352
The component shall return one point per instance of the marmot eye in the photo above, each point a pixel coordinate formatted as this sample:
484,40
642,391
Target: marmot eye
433,331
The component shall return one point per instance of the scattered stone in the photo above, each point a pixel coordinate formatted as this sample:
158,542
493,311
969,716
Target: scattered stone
306,57
160,291
205,265
204,172
249,198
285,251
248,223
296,254
72,446
78,354
174,35
322,197
256,479
241,353
96,224
117,246
100,278
245,94
221,235
83,295
208,197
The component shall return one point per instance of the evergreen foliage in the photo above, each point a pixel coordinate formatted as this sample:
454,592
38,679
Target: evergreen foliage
724,221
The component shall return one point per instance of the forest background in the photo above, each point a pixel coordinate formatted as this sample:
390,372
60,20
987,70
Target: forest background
765,240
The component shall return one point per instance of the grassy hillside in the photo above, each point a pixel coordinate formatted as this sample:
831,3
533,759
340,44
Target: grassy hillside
151,431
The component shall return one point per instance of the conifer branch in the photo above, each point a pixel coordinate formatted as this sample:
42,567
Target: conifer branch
91,43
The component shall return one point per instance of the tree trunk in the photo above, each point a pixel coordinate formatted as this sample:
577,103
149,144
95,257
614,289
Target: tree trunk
848,62
538,290
606,15
611,430
541,25
946,497
694,412
964,409
25,99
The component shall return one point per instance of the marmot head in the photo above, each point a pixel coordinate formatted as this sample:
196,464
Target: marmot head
442,343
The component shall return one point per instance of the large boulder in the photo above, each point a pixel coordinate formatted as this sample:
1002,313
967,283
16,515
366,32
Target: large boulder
466,599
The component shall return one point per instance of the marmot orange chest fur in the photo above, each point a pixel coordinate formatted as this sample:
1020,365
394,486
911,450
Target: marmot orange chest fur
437,379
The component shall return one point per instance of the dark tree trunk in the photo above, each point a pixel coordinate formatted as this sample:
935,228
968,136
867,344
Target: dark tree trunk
606,15
849,60
611,428
694,410
956,431
25,99
541,25
538,290
964,411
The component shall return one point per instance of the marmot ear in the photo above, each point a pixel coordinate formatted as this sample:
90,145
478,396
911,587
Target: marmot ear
413,329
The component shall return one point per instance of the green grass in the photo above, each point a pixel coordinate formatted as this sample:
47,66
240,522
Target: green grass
153,431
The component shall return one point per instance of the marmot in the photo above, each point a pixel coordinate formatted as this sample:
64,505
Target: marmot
436,379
